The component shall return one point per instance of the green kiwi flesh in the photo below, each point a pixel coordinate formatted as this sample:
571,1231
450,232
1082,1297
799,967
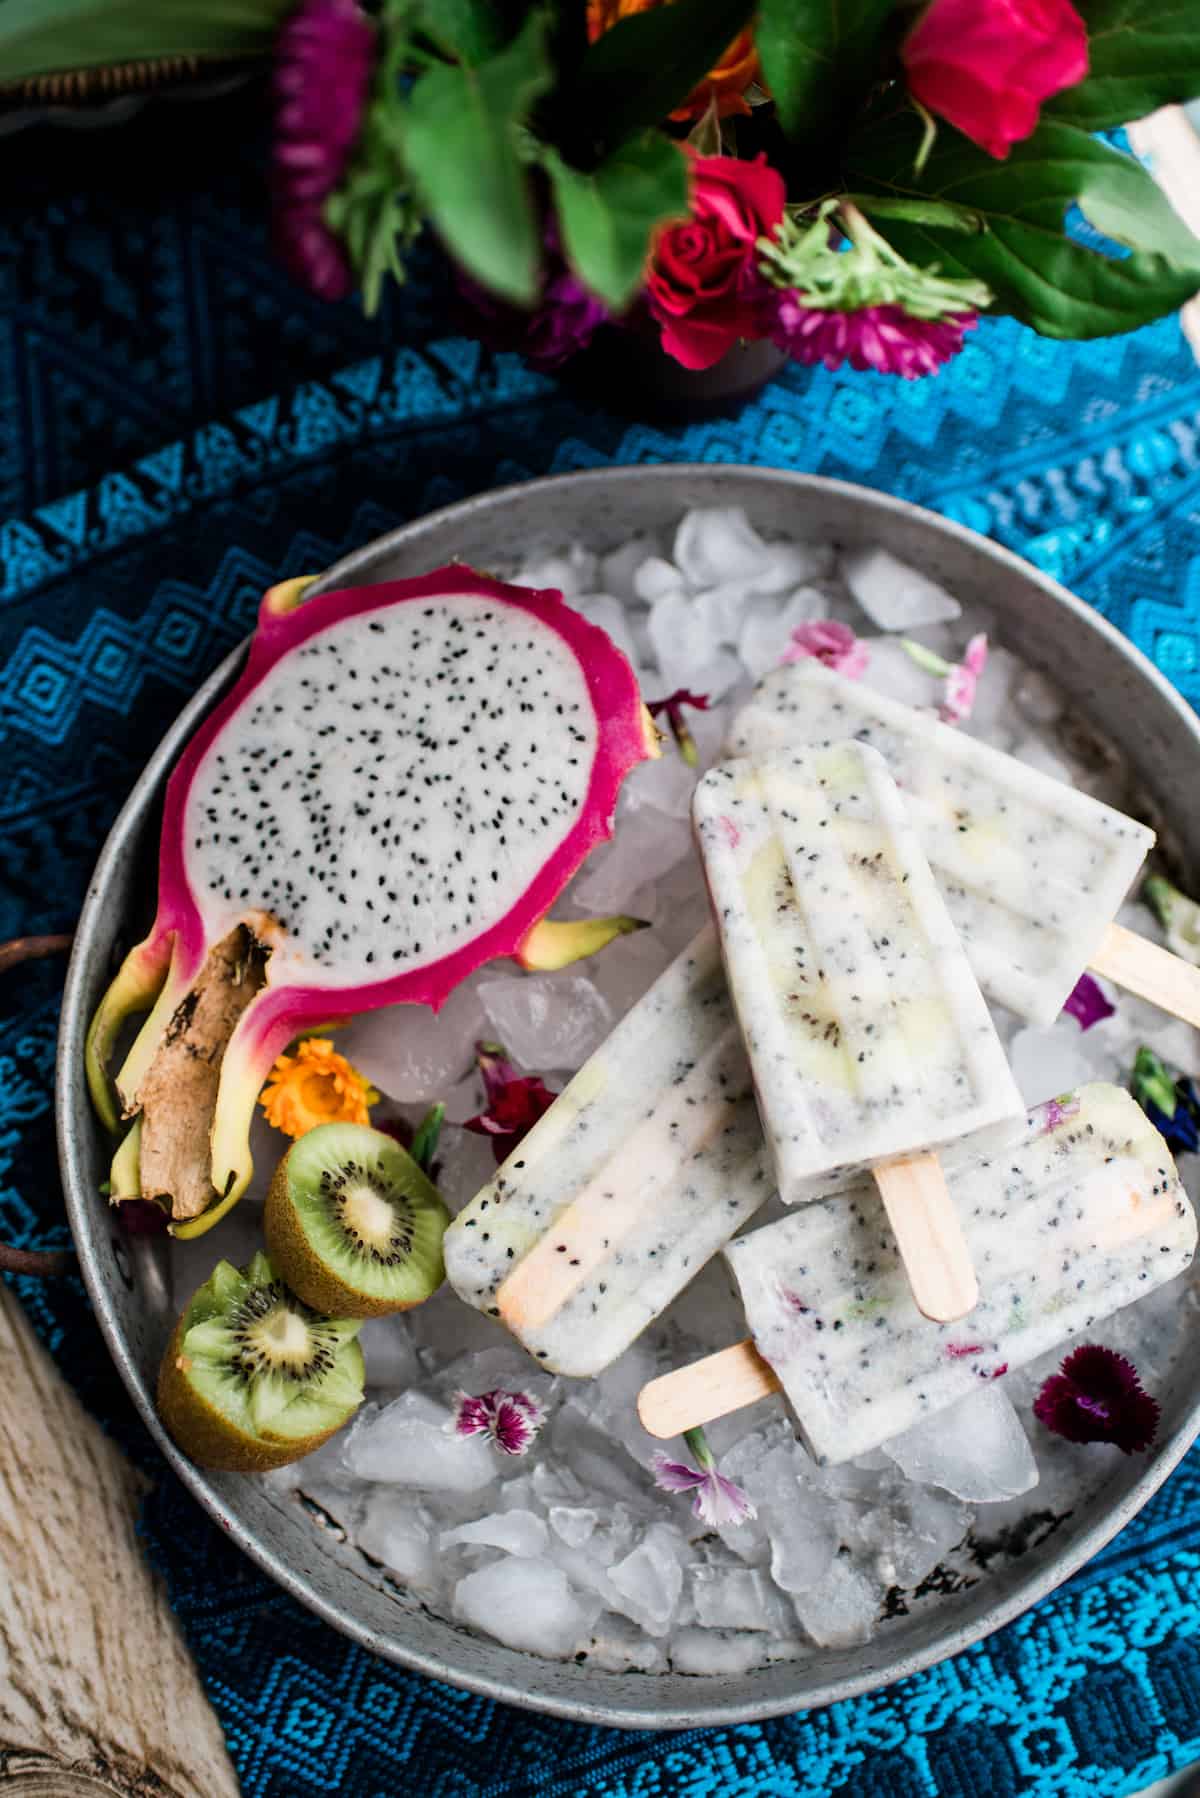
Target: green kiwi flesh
353,1224
254,1378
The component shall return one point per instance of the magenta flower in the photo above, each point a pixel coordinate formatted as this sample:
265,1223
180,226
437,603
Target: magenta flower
673,706
829,642
515,1101
1098,1396
1088,1004
511,1419
563,322
715,1500
885,338
322,72
958,696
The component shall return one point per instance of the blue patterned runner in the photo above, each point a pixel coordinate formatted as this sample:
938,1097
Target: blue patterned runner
181,428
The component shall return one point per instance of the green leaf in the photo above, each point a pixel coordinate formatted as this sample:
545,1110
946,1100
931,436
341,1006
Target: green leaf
40,37
466,29
646,65
459,140
919,212
1142,54
608,216
819,59
1036,272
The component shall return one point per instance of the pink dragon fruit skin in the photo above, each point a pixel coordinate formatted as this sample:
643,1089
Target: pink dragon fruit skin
161,970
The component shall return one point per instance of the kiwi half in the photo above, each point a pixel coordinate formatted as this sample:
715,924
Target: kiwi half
352,1223
254,1378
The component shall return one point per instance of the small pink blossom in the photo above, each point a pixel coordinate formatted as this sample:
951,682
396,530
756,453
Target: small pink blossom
1088,1003
715,1499
958,698
885,338
515,1101
511,1419
830,642
1055,1112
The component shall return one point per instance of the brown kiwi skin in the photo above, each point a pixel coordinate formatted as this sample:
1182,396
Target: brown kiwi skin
207,1437
290,1253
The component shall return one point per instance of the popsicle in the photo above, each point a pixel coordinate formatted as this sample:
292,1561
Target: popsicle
644,1166
1033,872
869,1040
1080,1216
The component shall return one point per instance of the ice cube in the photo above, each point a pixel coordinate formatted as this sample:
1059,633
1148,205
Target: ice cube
612,615
409,1443
663,785
911,1533
647,844
994,717
976,1449
714,1652
650,1579
394,1530
526,1604
625,970
574,1524
894,596
736,1598
714,544
792,1509
412,1054
547,1020
1048,1062
654,578
517,1532
619,566
840,1608
1037,698
766,628
389,1353
619,1646
891,670
572,572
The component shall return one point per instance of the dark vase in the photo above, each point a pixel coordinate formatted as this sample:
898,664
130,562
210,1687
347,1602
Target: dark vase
625,369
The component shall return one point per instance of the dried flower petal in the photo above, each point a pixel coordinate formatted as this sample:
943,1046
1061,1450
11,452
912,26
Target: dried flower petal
316,1085
511,1419
1098,1396
958,698
673,706
515,1101
1088,1003
831,642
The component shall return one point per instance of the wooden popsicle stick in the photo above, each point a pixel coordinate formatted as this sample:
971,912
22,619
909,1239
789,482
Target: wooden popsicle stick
1152,973
929,1237
690,1396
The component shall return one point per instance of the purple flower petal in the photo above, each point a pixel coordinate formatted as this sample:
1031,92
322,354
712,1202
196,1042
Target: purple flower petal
885,338
1098,1396
716,1500
1088,1004
511,1419
676,1476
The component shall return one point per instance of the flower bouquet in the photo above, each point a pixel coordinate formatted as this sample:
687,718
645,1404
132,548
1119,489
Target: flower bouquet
850,180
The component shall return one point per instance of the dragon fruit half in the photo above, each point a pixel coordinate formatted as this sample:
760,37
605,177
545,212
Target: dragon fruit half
396,790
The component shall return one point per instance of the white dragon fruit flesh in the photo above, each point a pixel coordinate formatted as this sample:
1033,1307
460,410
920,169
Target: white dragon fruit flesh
396,790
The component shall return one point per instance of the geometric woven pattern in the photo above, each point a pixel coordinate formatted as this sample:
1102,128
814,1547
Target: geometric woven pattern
181,427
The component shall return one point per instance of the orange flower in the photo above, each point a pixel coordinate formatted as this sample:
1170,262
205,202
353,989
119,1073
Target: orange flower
726,83
315,1086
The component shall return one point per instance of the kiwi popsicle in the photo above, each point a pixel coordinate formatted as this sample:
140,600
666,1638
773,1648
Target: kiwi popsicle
867,1035
640,1171
1032,871
1081,1215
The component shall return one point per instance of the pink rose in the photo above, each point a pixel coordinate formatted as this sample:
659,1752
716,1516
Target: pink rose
828,641
703,285
987,65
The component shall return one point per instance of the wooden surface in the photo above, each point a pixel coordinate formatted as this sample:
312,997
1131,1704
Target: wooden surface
98,1694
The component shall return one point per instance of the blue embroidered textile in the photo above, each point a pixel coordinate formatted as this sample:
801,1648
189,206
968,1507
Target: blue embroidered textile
181,427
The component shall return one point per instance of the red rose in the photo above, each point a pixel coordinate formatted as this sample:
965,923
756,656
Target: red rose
703,286
987,65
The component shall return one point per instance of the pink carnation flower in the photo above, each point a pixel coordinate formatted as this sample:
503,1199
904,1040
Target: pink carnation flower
829,642
511,1419
885,338
715,1499
958,696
